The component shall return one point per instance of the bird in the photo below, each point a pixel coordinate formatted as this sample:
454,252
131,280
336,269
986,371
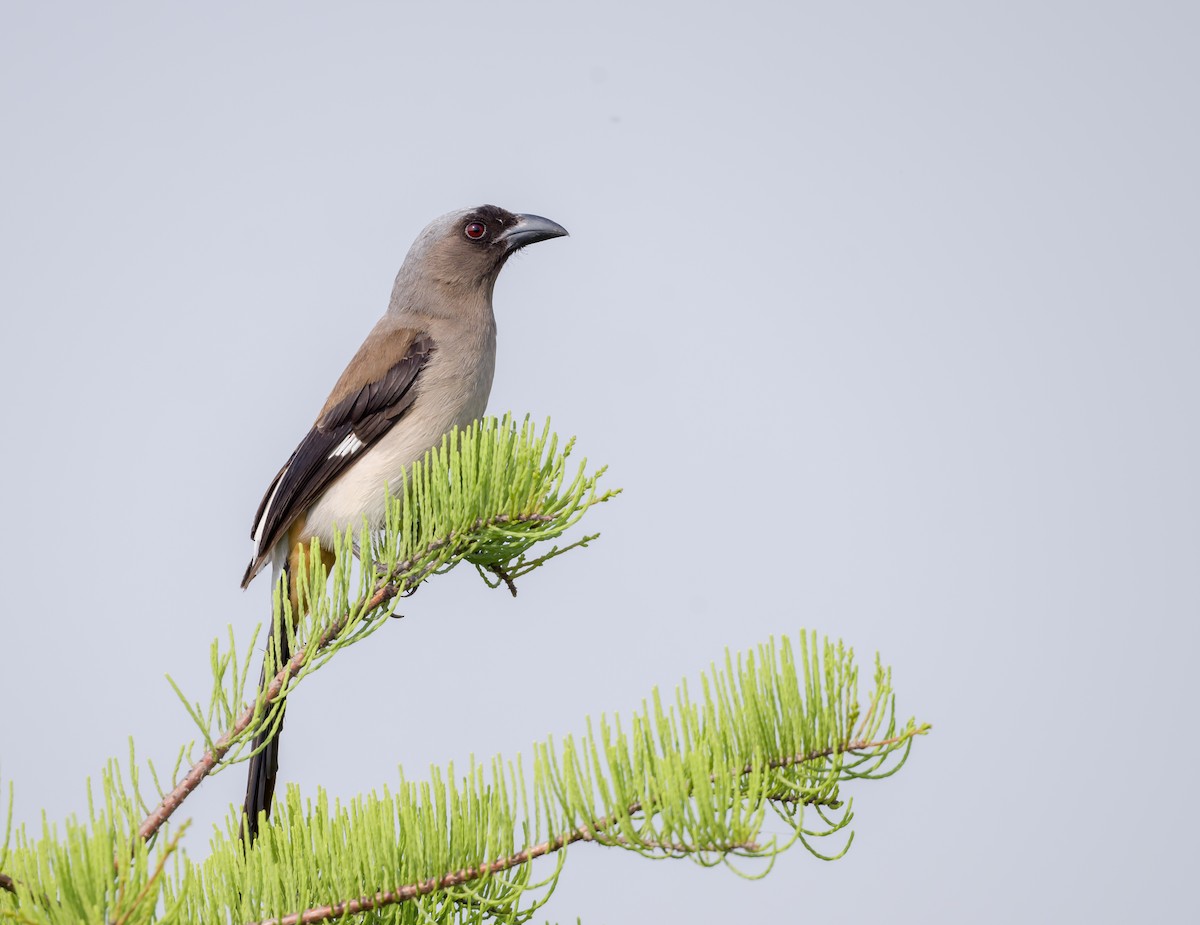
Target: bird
425,368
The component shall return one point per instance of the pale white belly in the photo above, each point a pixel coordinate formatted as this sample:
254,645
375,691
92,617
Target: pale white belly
362,489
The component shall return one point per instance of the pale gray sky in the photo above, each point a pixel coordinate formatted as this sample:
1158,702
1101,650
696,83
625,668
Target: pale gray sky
884,315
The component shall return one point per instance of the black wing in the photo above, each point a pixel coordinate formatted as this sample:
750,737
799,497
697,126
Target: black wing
336,441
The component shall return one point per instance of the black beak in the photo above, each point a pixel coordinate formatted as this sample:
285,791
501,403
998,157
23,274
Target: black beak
530,229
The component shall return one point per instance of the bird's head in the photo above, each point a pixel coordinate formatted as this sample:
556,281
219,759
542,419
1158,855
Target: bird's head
466,249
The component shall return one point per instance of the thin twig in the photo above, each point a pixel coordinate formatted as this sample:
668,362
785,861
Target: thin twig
212,757
860,745
525,856
506,578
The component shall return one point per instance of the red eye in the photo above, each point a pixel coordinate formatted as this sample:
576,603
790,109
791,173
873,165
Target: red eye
475,230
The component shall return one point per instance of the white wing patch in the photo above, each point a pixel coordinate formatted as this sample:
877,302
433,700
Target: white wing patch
347,447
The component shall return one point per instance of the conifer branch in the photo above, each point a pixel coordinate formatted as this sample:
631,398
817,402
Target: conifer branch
692,780
415,574
581,833
459,502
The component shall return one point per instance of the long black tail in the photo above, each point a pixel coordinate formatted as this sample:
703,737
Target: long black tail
264,766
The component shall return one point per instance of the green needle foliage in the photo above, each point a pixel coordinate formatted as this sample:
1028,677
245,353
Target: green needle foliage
487,495
749,765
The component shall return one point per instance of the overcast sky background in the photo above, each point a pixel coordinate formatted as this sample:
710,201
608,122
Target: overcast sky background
886,317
